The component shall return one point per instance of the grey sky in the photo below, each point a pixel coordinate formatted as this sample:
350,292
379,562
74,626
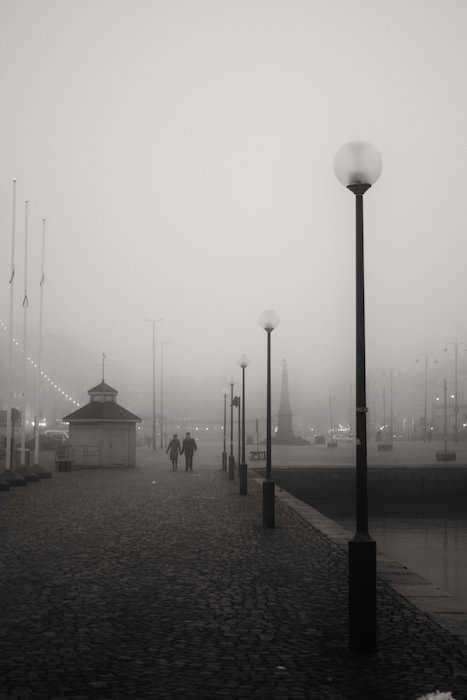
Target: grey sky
182,151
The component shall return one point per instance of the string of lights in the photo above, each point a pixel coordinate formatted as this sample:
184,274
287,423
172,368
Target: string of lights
46,377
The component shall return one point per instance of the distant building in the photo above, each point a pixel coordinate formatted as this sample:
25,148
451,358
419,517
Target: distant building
102,433
285,434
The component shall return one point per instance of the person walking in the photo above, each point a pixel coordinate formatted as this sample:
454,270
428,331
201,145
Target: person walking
188,449
174,448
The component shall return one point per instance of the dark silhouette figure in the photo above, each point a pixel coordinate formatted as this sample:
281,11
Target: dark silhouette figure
188,449
174,448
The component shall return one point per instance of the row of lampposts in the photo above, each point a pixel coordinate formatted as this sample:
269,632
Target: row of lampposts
268,320
357,166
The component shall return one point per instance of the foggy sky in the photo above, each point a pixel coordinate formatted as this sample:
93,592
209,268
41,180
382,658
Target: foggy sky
181,152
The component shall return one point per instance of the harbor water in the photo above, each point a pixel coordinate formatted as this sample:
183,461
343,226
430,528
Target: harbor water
426,534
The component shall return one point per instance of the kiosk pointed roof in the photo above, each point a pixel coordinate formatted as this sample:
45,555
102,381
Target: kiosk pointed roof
102,388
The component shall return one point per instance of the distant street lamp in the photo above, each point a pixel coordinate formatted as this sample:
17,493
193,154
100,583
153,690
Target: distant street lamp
445,455
357,166
427,357
243,361
456,345
224,453
268,320
165,342
153,321
231,456
389,429
331,441
236,402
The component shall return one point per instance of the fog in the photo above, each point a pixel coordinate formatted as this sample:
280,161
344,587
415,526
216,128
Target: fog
181,153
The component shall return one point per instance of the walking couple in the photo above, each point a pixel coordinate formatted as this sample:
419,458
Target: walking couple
187,448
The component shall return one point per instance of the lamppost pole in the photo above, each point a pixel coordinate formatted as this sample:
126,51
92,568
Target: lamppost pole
224,453
426,397
165,342
361,409
9,426
231,456
239,430
153,321
357,166
426,357
456,407
455,344
243,361
25,310
390,430
268,407
268,320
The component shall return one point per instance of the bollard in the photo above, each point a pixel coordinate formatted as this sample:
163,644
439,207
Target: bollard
231,467
243,477
268,503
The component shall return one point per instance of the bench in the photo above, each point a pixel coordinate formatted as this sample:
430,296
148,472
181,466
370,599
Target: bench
257,455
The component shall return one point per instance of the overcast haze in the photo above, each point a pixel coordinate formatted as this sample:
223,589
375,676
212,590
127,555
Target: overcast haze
182,154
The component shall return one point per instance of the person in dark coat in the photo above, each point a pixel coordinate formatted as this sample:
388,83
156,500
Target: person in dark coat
174,448
188,449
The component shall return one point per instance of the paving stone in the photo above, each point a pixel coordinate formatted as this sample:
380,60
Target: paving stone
116,589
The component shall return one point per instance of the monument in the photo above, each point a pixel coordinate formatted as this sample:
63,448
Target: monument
285,434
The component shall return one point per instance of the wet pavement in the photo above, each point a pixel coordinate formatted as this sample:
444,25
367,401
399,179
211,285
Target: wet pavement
148,583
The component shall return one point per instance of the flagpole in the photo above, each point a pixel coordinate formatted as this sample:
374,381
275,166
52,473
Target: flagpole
10,333
25,307
39,360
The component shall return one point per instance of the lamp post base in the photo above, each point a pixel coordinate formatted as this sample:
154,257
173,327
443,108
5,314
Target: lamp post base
243,478
224,461
362,593
231,467
268,504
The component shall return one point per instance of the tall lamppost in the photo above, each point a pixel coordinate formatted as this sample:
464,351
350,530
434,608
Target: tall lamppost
25,310
153,321
268,320
162,343
237,403
224,453
426,357
357,166
456,345
243,361
231,455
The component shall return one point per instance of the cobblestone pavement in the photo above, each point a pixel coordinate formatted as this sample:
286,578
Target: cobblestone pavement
147,583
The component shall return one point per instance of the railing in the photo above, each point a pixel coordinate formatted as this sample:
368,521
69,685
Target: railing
80,455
